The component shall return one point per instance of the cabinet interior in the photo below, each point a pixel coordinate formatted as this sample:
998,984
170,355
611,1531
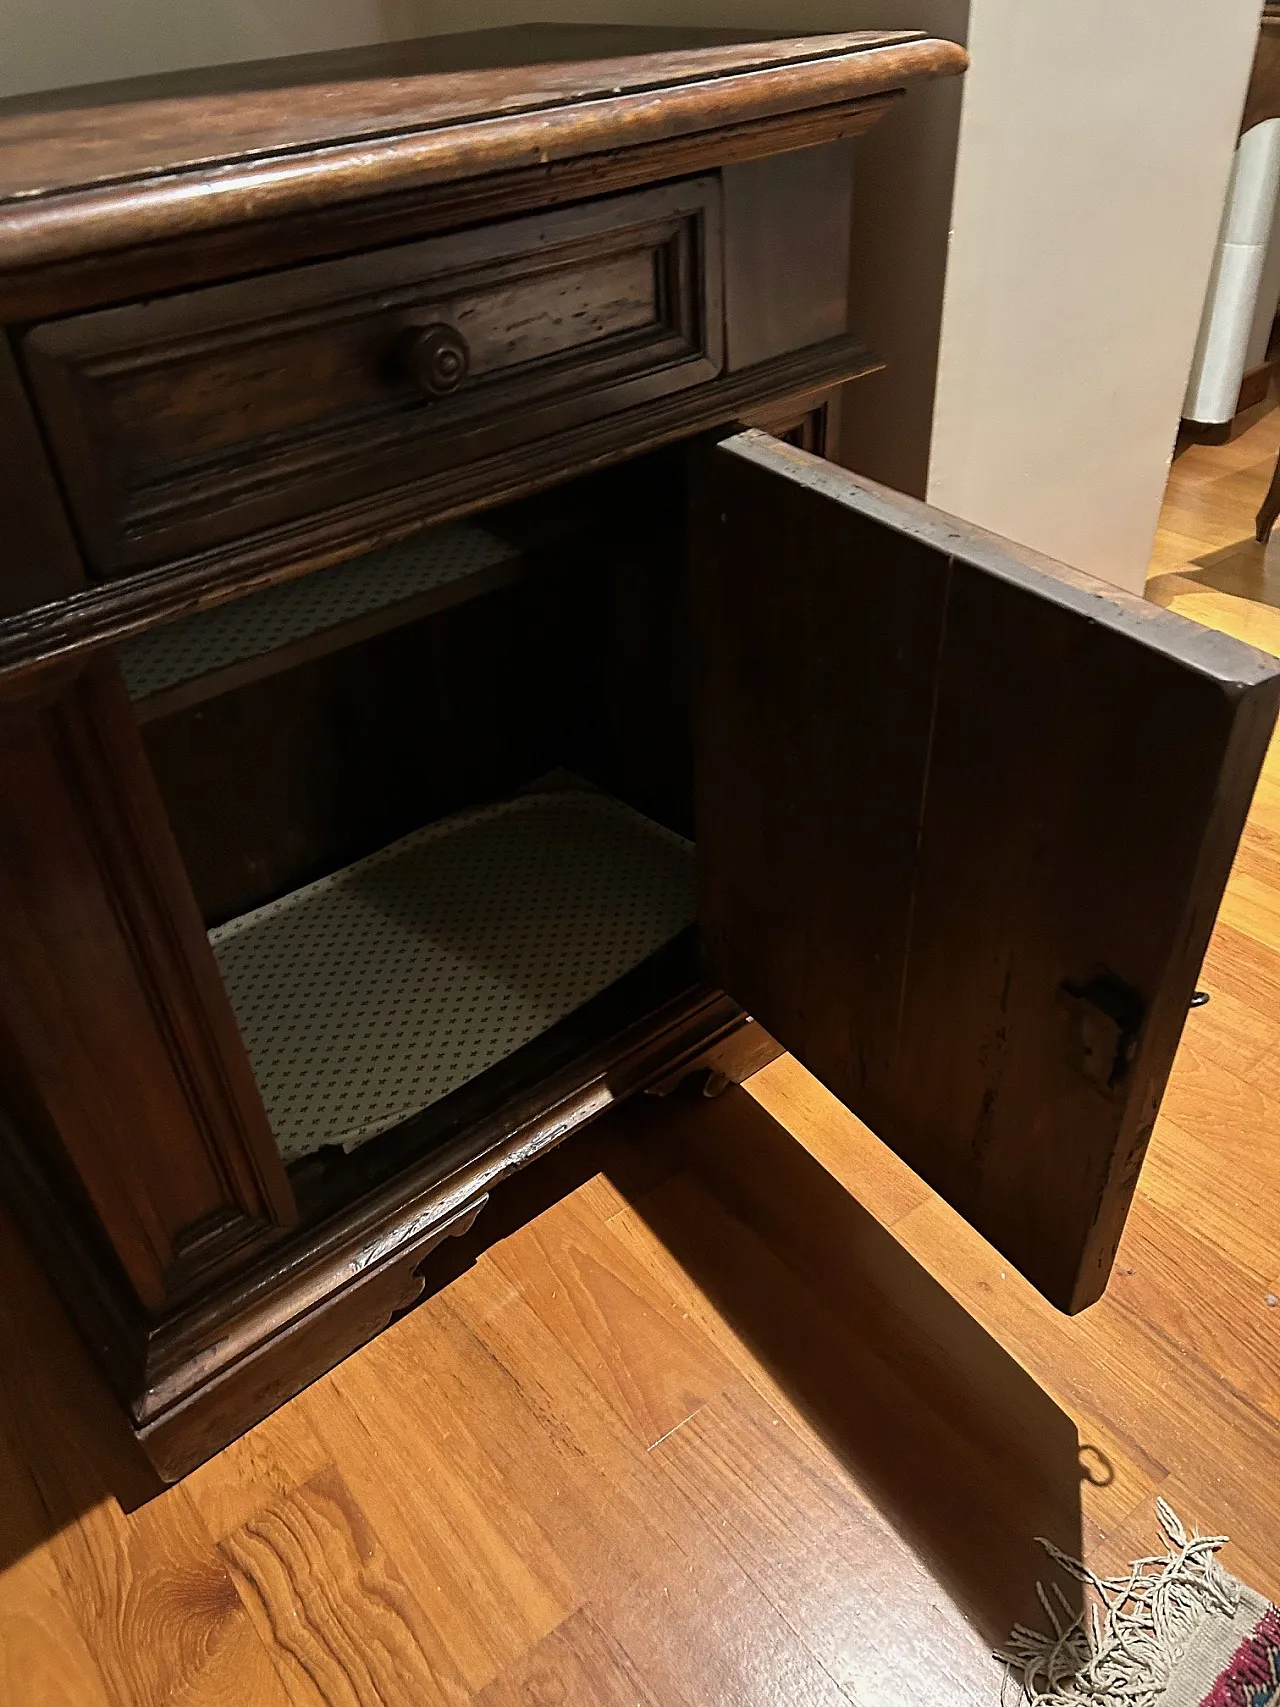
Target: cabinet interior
435,804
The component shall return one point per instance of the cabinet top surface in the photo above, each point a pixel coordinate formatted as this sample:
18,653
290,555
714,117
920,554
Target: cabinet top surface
449,106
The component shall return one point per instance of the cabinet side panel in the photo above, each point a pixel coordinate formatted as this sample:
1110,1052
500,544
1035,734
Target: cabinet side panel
787,222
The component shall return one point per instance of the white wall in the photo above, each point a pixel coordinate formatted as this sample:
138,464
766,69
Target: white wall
1095,147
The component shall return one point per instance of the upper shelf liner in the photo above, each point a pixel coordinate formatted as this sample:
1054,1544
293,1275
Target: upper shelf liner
212,640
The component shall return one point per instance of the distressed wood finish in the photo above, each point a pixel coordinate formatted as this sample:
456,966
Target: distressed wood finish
199,1377
861,1444
271,317
809,423
68,286
84,179
965,817
224,1366
182,423
103,614
121,1056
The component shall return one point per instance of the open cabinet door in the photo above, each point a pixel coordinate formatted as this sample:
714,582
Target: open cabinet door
965,817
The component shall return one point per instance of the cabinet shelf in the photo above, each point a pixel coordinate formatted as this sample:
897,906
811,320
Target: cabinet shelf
371,994
169,668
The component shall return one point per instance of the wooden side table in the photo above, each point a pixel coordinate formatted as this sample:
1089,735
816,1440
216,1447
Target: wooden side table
434,707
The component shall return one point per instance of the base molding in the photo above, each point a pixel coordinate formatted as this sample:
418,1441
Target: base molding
219,1363
212,1410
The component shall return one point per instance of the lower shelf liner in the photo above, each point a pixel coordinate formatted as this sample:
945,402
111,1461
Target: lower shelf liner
372,993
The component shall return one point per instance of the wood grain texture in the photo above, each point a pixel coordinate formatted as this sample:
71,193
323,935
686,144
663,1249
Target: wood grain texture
121,1054
340,1621
212,1370
83,180
72,284
770,1549
329,97
44,1657
578,1661
496,1565
194,419
927,864
103,614
160,1610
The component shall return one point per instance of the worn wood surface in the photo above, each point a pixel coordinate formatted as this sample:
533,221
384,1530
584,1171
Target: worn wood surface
119,171
477,1507
72,284
102,614
62,140
213,1371
532,1488
963,826
809,423
199,418
121,1058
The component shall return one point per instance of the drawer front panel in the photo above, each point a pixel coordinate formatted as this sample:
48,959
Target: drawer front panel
204,418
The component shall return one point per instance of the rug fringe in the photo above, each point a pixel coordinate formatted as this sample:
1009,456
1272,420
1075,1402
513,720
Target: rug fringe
1120,1651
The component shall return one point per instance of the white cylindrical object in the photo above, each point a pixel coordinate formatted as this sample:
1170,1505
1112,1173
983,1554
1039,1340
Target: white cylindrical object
1219,363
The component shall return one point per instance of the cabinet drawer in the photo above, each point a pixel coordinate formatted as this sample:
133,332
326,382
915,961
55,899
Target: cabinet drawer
199,419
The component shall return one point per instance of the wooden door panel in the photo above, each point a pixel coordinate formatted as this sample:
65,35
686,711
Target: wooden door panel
964,821
120,1061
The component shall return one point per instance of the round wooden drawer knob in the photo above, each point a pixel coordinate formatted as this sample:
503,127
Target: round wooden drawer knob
438,358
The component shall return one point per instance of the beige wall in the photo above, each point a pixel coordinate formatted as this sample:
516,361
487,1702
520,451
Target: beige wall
47,44
1095,148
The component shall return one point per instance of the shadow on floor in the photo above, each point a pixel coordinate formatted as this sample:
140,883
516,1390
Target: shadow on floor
1245,569
64,1443
964,1459
967,1458
958,1449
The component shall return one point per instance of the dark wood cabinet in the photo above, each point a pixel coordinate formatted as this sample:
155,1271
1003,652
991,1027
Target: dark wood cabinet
445,687
211,414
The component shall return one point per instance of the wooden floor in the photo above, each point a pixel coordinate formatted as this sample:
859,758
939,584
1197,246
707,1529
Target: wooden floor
720,1417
